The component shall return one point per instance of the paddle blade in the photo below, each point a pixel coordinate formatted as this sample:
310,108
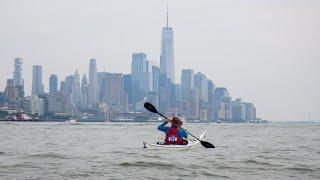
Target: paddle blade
207,144
150,107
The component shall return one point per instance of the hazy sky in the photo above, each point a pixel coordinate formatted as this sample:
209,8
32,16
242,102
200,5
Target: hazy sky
265,51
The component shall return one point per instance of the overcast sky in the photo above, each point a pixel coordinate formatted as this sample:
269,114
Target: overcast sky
265,51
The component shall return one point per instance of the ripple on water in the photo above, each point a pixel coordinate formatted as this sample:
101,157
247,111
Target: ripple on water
300,169
212,175
224,167
148,164
17,165
51,155
251,161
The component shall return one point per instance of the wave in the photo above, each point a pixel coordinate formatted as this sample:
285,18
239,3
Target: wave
148,164
223,167
214,175
19,165
251,161
123,152
300,169
51,155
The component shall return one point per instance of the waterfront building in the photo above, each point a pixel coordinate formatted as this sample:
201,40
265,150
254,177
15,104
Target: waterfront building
93,97
203,114
238,111
167,65
53,84
222,104
249,112
37,86
33,105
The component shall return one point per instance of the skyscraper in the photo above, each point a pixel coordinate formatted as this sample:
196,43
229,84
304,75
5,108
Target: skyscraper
222,104
167,52
68,84
11,91
238,110
127,84
93,98
187,83
141,77
164,92
211,88
17,74
63,88
249,111
201,83
37,87
112,86
155,78
175,94
101,76
76,93
53,84
84,92
195,104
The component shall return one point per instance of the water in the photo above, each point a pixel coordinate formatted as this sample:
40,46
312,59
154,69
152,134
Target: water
114,151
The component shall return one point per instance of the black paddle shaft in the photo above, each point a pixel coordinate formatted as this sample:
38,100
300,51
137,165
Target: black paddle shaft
151,108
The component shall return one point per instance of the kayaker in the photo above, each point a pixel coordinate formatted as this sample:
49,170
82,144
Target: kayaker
174,134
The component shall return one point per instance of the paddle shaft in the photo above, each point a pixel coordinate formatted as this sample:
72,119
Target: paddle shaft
180,127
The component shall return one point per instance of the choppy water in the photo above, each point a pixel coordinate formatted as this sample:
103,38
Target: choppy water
114,151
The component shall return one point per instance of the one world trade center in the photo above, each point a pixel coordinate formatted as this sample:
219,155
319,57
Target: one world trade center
167,52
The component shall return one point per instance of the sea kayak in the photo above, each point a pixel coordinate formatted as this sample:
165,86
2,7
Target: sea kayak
160,145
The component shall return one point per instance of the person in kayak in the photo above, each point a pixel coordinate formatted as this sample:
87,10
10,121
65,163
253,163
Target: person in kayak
175,135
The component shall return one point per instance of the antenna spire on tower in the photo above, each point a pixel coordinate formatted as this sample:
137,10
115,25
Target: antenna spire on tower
167,15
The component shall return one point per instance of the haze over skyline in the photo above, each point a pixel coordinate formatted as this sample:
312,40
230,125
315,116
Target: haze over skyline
264,51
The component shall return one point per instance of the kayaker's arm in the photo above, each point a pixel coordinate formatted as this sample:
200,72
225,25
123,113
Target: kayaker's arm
162,127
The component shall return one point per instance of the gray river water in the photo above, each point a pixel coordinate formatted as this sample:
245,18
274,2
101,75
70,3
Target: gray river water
114,151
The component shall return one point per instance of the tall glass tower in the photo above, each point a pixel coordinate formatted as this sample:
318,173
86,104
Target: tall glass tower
167,52
17,74
37,87
53,84
76,91
93,98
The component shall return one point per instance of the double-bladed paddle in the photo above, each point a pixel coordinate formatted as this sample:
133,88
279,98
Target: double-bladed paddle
153,109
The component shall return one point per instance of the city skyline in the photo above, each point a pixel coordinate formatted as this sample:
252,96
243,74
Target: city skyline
279,93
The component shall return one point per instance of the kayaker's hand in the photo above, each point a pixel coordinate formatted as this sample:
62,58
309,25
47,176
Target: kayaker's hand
169,119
